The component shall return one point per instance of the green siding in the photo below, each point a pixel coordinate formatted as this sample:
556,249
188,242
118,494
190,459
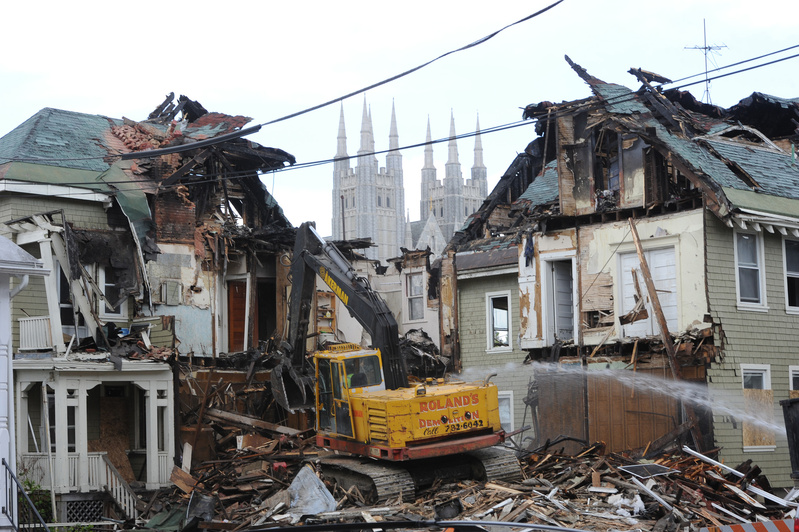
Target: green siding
749,337
512,374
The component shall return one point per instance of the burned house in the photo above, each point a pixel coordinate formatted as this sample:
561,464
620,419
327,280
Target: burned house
651,241
164,246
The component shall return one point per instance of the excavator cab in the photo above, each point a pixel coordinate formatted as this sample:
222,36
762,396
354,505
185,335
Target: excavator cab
340,371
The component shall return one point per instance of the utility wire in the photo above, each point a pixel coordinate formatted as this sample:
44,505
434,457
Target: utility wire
412,70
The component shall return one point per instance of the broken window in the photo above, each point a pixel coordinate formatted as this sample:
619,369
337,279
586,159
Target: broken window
415,296
69,326
634,294
498,317
748,263
758,406
607,175
792,274
108,280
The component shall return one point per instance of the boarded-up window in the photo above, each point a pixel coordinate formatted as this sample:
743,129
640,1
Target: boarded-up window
794,381
758,407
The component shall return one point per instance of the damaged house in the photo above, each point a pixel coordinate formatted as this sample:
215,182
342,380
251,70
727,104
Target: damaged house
651,242
163,244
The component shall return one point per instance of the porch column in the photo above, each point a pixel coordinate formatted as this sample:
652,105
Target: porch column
61,480
165,402
151,412
22,427
82,436
7,443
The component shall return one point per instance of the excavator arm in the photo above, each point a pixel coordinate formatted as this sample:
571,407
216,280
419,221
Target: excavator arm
292,379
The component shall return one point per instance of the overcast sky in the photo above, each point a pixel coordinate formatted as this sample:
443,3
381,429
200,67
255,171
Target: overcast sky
266,60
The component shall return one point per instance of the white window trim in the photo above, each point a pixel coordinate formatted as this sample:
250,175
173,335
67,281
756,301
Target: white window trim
122,311
422,296
792,370
489,339
788,309
762,306
765,368
509,395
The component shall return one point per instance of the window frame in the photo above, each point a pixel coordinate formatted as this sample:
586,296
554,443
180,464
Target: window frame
790,309
506,394
761,305
489,298
765,371
102,310
409,296
792,371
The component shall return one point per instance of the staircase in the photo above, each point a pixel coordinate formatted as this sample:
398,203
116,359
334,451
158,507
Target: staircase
122,494
17,505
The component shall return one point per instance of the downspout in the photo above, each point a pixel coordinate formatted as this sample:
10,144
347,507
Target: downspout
19,288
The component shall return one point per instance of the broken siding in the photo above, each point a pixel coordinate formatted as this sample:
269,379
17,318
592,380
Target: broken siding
748,337
512,375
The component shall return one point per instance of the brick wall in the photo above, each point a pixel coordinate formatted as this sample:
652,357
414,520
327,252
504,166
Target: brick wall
175,219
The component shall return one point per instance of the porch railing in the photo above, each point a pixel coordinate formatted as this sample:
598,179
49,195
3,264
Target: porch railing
119,490
17,505
34,333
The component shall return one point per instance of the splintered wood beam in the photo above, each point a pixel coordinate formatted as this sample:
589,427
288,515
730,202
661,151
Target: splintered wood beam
665,335
186,168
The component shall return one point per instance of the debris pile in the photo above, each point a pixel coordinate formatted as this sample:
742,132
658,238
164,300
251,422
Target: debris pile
267,476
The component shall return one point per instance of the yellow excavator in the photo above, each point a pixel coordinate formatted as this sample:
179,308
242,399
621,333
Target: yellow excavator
394,437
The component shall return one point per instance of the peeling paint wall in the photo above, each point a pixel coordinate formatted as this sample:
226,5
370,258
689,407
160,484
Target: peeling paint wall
601,246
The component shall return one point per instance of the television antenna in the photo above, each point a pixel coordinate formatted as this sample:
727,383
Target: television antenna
706,50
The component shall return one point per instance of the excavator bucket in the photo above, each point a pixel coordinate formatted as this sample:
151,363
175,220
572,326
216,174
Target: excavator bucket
292,389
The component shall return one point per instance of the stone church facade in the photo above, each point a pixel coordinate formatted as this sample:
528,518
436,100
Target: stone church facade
369,199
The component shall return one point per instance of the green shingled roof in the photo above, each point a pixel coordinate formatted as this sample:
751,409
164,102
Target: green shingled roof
544,188
60,138
773,170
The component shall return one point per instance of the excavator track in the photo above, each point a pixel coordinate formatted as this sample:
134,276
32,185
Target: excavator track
498,464
381,481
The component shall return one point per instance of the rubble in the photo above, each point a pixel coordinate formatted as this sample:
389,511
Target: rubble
251,482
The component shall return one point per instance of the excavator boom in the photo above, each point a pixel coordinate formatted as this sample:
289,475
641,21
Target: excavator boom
292,379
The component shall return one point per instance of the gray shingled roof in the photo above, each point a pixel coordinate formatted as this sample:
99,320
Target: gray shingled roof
544,188
61,138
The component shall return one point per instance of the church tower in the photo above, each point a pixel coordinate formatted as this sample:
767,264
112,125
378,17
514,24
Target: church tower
451,200
369,201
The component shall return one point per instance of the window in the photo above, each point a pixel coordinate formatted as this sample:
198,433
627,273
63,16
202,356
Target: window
388,201
662,266
505,400
758,407
748,263
794,380
792,274
379,201
498,320
415,292
108,279
67,310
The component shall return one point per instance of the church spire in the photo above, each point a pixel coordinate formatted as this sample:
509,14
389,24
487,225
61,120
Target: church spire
478,146
452,157
428,147
341,149
367,139
393,136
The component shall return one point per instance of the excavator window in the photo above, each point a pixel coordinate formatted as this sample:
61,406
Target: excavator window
327,422
363,371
